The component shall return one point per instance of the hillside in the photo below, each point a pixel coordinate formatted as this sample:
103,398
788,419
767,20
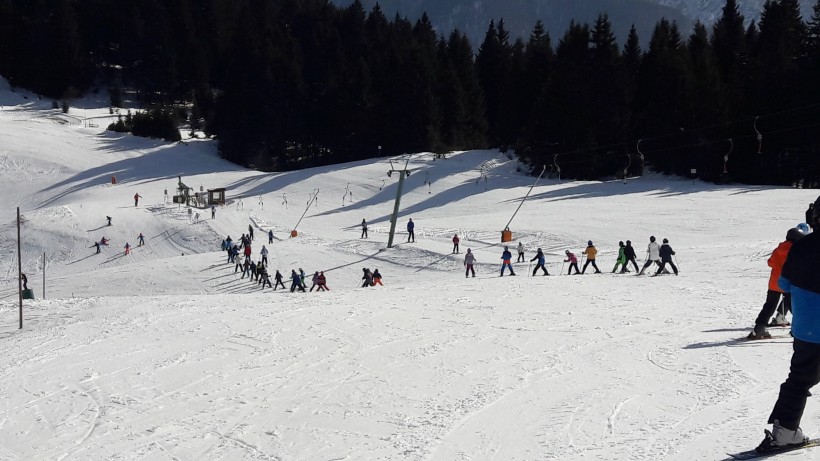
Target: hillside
168,354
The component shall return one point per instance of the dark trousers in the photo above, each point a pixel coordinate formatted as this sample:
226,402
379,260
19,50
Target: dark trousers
469,270
648,263
270,239
663,264
539,265
364,233
803,375
264,261
575,265
772,298
264,281
590,261
294,286
520,258
411,235
279,282
455,248
632,260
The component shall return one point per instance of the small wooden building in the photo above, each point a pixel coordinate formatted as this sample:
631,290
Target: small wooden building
216,196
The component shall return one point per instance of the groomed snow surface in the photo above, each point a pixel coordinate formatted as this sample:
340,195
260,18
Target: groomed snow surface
166,354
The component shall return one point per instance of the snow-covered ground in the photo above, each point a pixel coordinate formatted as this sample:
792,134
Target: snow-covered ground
167,354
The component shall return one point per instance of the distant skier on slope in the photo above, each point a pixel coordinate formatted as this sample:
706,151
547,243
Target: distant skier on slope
377,278
799,277
137,198
621,261
455,243
590,252
506,261
666,252
520,253
322,282
141,239
573,262
411,226
629,254
539,256
775,262
367,277
652,254
469,260
296,282
364,229
278,279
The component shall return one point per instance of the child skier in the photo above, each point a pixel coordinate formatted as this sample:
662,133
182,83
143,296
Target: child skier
621,261
322,282
296,282
127,248
573,262
666,252
506,261
278,279
520,252
775,261
364,229
629,255
377,278
455,243
541,259
652,254
142,240
367,277
590,251
469,260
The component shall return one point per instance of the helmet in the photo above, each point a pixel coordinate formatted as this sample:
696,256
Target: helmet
652,238
539,249
794,235
665,240
506,247
803,228
566,251
589,243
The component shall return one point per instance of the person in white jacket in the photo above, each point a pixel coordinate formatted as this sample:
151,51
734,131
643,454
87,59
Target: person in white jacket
653,254
264,254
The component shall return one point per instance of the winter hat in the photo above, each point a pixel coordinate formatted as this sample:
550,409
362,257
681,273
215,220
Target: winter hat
506,247
539,249
589,243
652,238
629,242
621,243
566,251
665,240
468,250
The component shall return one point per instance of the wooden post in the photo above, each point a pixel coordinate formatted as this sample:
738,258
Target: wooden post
19,270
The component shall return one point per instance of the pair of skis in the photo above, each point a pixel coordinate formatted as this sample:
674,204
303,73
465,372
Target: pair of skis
754,454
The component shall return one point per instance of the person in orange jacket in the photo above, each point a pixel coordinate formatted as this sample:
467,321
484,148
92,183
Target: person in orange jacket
590,252
776,261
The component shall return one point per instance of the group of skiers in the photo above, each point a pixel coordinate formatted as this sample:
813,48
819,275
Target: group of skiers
655,254
794,265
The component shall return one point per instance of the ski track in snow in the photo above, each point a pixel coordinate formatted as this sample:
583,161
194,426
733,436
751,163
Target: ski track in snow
168,354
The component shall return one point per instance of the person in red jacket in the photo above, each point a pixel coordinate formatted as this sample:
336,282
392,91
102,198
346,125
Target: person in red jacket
776,261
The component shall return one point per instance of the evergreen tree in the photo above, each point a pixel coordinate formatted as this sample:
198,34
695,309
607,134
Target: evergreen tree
728,42
493,64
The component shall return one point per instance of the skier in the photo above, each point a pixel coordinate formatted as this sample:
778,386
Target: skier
621,261
322,282
520,253
314,281
213,214
629,255
302,276
190,215
666,252
377,278
104,241
541,259
590,251
367,277
109,219
809,214
127,248
270,236
240,261
410,234
250,232
278,279
506,261
264,277
799,277
247,251
455,243
142,240
246,268
469,260
96,244
364,229
296,282
137,198
775,261
573,262
652,254
264,254
24,279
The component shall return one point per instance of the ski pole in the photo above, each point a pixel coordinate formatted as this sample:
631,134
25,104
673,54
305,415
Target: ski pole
676,262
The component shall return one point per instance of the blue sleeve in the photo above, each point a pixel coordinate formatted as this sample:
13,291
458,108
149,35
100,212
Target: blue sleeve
784,284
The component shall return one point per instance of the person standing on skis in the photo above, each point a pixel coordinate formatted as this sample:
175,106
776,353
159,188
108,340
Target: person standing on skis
775,261
469,260
506,261
621,261
541,260
652,254
590,252
573,262
520,253
364,229
137,198
455,243
629,255
666,252
799,277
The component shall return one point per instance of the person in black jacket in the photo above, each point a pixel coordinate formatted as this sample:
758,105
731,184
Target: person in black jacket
666,253
629,252
809,216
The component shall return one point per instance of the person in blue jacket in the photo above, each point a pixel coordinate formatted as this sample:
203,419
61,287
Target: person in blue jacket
506,261
410,233
799,277
541,259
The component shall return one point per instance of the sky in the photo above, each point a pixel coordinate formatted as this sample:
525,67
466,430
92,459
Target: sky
166,353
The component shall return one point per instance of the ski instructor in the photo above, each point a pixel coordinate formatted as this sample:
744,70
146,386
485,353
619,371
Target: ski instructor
799,277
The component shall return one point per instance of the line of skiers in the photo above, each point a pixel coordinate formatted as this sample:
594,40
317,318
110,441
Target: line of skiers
661,255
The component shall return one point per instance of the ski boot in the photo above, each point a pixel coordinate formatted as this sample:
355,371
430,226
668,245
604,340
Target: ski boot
759,333
780,437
